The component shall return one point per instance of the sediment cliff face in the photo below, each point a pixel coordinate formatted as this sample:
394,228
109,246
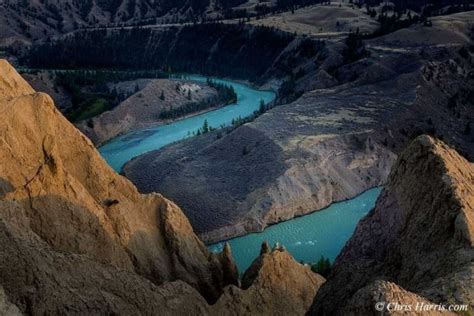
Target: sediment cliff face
271,286
78,239
417,244
62,194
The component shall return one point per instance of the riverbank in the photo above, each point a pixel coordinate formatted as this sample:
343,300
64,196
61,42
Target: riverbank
158,124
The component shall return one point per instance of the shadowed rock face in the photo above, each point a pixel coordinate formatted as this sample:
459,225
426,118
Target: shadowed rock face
420,236
75,203
7,308
216,190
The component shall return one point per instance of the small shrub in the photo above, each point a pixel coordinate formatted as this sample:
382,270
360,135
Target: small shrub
323,267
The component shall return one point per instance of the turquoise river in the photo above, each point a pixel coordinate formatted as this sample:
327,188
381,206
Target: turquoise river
307,238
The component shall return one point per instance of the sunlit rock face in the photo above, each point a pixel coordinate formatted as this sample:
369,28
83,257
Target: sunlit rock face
59,193
275,284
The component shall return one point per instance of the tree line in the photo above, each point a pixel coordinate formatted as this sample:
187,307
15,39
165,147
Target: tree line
218,49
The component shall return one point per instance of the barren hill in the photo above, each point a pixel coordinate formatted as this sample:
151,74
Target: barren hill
324,21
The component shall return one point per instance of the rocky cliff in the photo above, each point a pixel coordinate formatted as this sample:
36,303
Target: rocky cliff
417,245
76,238
56,186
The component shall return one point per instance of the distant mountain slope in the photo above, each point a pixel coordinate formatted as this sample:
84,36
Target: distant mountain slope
30,20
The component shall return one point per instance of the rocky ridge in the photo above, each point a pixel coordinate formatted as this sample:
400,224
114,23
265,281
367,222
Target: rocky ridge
25,21
273,278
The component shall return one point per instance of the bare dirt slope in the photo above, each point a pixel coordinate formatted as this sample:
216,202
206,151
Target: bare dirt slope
420,236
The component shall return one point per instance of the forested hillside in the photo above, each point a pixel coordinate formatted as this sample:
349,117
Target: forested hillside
218,49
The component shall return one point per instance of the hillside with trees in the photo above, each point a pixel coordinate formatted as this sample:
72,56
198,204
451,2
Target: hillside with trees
218,49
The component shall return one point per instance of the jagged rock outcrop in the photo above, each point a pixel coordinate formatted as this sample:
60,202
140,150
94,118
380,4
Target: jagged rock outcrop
275,284
41,280
419,236
74,203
